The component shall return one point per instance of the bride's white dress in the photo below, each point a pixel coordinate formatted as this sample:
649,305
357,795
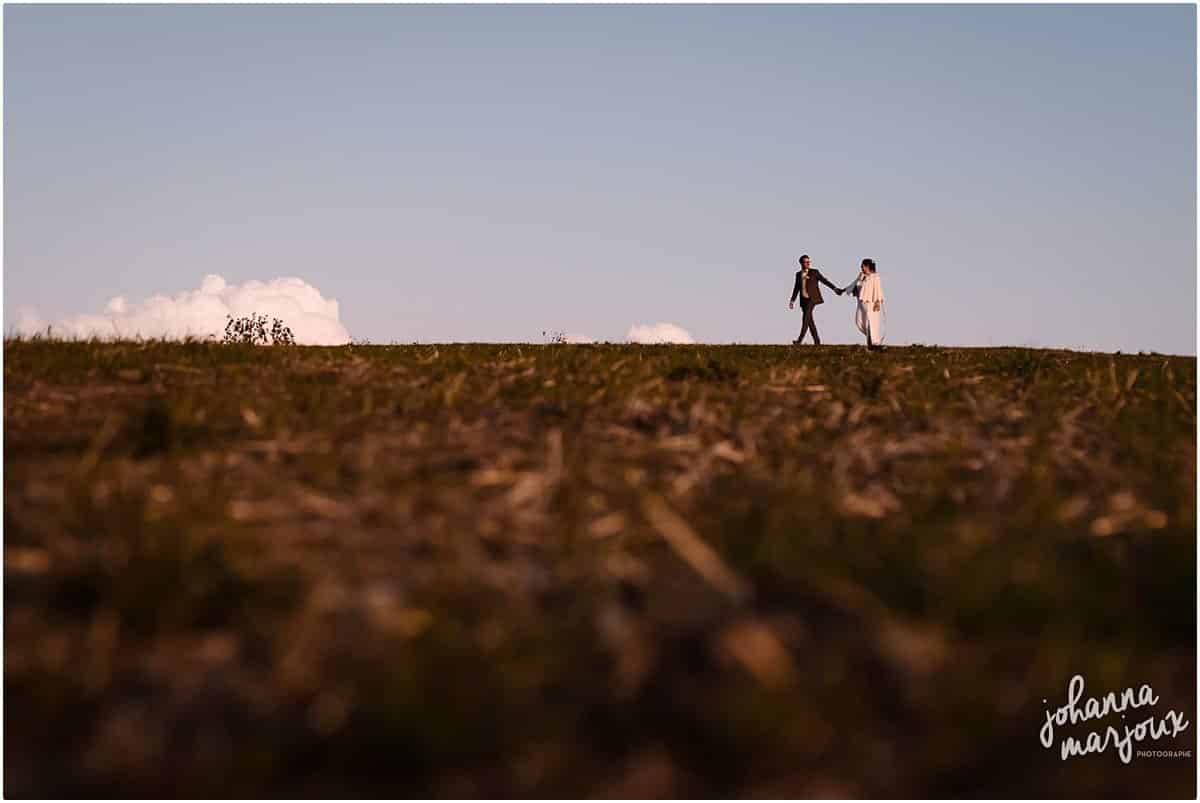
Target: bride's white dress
870,321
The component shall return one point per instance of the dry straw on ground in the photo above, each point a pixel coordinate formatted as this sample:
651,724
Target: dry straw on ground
587,570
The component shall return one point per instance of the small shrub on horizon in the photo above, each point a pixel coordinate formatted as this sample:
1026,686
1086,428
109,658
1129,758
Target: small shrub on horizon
252,329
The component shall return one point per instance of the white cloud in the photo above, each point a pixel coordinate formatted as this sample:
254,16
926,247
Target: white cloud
658,333
201,313
28,321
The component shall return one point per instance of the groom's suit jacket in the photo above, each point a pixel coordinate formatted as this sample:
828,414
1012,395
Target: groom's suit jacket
814,286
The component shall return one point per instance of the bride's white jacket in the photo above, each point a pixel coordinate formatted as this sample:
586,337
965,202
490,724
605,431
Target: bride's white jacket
870,290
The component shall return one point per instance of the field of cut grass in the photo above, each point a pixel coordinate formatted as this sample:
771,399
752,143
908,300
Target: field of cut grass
590,570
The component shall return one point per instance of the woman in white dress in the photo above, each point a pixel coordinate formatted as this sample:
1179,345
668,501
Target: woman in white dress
869,317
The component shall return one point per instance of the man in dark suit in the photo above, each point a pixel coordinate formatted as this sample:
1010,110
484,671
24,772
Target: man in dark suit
808,288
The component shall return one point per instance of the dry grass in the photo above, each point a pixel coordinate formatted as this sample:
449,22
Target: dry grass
588,570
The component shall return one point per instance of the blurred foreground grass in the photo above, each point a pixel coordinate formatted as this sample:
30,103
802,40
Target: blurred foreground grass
589,570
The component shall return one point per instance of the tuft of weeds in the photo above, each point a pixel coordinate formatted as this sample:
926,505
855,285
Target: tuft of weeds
705,369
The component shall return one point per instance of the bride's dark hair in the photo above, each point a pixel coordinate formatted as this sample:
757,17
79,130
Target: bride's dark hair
870,263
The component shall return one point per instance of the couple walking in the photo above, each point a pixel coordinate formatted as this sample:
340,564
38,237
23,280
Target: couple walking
866,288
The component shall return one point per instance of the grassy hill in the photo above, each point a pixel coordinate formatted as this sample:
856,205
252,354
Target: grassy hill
590,570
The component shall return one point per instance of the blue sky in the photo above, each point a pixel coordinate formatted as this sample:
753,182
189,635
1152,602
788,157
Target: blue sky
1023,175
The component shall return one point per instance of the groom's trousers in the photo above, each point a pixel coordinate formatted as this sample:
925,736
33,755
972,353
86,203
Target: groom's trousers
807,307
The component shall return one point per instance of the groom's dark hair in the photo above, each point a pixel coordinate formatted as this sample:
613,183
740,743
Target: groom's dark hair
803,257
